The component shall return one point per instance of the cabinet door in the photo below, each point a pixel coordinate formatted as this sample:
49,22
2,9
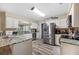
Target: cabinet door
62,23
11,22
15,23
23,48
34,25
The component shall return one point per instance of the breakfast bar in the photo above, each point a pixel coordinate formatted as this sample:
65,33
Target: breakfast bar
17,45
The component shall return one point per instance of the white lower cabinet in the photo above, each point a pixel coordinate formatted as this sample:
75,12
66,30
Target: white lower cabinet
57,39
69,49
23,48
56,50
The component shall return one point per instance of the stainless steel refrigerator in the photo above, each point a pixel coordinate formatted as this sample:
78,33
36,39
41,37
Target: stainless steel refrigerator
48,33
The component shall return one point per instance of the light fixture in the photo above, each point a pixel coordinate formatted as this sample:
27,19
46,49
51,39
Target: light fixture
37,11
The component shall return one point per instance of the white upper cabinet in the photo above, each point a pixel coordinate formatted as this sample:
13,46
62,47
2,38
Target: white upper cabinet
75,14
34,25
63,23
8,22
11,22
15,23
60,23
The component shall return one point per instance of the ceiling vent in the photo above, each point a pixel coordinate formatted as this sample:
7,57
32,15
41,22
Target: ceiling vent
52,18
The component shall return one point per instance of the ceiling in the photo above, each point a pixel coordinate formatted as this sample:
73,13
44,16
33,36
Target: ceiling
23,9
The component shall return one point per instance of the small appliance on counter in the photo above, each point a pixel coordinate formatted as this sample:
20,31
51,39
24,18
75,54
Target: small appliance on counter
34,31
14,33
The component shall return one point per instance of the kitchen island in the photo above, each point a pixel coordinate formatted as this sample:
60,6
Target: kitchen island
17,45
69,47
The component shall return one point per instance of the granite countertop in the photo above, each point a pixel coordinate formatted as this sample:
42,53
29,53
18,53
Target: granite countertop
15,40
69,41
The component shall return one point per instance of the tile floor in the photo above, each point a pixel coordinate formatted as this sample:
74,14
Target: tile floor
44,49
